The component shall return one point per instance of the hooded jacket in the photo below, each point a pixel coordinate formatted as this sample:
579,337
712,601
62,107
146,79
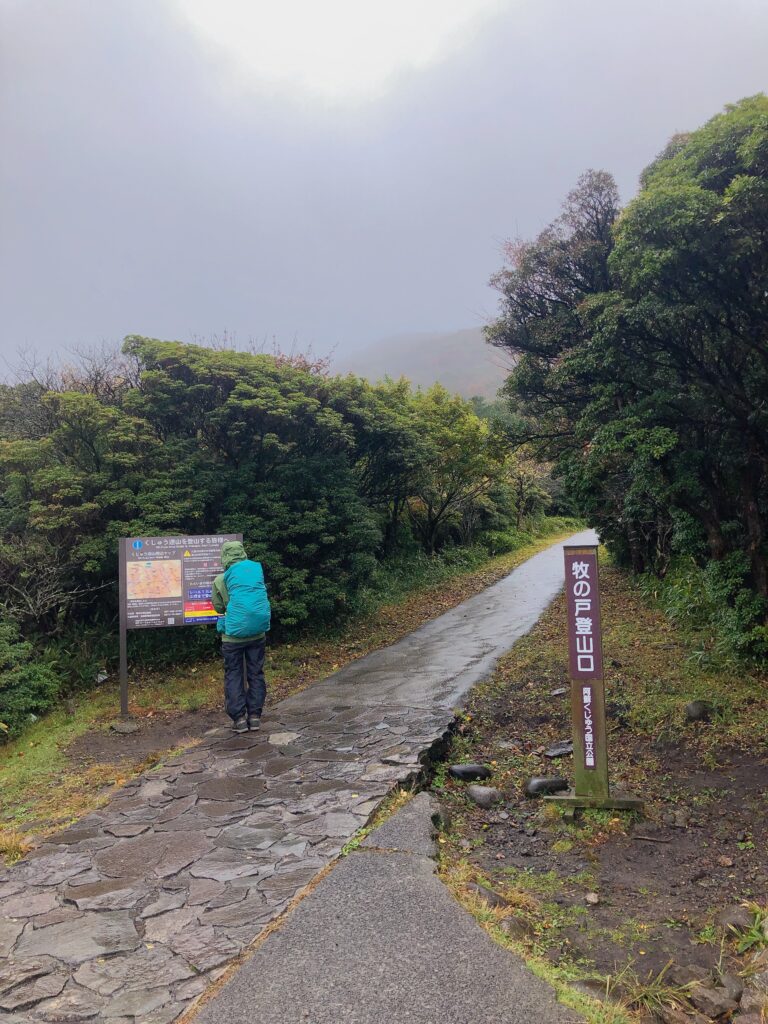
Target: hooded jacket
239,596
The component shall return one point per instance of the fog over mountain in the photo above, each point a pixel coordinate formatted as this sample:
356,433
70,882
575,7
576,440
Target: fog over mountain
459,360
149,185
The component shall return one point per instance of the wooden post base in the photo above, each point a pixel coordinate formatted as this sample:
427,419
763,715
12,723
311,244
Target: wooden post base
616,801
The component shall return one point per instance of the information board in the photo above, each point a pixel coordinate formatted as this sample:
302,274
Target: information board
168,581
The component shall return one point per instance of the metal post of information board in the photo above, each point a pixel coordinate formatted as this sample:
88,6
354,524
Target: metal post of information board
585,668
123,636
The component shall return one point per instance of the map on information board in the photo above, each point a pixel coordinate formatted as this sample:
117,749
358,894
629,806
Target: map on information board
147,580
168,581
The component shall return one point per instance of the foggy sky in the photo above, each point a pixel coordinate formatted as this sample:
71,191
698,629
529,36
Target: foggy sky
141,191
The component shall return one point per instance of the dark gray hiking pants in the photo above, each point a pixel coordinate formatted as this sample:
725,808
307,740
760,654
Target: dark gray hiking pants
245,688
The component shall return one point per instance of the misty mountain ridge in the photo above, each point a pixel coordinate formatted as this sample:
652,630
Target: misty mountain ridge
461,361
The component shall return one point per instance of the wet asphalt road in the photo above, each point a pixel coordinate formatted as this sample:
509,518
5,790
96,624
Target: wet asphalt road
437,664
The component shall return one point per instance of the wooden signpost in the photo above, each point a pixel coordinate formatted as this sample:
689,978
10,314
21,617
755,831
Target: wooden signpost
166,581
585,668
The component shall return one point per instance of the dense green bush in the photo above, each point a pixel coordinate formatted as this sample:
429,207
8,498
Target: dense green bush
28,687
502,542
714,598
332,482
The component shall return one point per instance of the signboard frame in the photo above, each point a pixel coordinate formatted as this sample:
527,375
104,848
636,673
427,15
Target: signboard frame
585,669
196,548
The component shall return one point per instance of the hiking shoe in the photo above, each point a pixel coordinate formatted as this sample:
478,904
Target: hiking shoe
254,723
240,724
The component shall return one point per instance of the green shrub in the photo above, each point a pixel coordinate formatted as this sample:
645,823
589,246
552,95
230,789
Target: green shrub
28,686
717,599
503,542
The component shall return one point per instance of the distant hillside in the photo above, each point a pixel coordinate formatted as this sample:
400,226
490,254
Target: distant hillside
461,361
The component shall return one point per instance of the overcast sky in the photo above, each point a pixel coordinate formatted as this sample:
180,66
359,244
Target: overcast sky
176,168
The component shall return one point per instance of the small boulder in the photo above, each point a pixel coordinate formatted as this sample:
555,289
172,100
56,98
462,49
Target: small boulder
758,983
562,749
679,817
124,727
516,927
735,917
592,899
674,1015
698,711
488,895
753,1001
687,974
540,785
510,744
604,989
714,1002
469,772
595,988
733,985
484,796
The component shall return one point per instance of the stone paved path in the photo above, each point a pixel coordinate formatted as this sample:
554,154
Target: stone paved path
128,916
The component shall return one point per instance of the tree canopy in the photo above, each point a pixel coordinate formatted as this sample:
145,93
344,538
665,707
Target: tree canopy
642,338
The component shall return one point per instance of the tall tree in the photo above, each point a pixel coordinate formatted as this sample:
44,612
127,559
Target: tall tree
643,340
463,460
543,286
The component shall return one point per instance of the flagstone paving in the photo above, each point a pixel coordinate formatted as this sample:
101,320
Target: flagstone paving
130,914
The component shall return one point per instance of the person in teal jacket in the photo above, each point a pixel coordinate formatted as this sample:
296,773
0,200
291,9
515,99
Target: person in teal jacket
240,599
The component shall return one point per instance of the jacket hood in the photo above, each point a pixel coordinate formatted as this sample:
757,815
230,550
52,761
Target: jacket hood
232,551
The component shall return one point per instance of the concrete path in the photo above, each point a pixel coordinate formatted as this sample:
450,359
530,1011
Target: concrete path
382,940
129,915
